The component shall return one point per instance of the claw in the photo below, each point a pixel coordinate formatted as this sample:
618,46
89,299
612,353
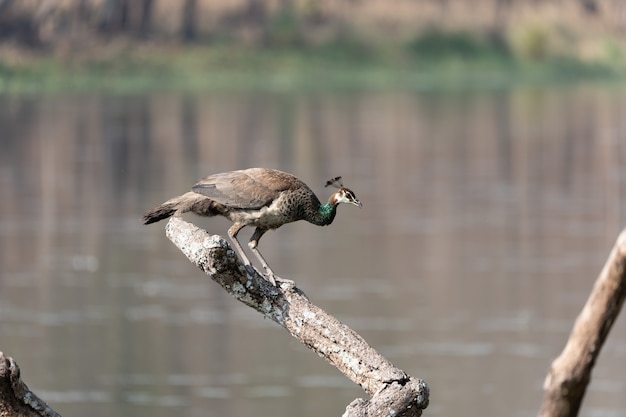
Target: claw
282,281
270,277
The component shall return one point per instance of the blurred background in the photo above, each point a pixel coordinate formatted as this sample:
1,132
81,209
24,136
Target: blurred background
486,140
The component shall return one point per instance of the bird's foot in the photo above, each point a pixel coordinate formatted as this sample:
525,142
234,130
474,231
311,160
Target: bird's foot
284,281
271,277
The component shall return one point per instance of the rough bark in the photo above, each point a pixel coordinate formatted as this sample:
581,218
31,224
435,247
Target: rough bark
392,391
16,400
565,385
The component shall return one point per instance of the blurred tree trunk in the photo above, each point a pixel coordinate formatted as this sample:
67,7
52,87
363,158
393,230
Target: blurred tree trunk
126,16
189,30
4,5
497,34
20,25
255,11
143,17
108,16
590,7
501,14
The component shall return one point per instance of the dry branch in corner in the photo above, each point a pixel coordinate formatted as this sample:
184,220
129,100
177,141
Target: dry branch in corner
570,373
392,391
16,400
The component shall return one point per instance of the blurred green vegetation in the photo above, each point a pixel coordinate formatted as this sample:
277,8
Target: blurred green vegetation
434,60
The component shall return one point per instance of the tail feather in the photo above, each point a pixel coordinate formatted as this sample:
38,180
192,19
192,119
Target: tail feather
159,213
176,205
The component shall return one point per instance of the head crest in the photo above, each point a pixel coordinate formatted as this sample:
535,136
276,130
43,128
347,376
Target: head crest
335,182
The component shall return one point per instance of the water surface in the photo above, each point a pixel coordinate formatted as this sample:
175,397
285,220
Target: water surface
486,219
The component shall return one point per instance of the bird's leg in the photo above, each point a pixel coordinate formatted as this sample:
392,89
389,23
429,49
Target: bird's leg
232,233
254,242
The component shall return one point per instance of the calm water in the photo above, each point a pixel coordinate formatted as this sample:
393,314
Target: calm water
486,219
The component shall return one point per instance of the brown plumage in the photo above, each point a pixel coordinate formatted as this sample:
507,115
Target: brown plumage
261,197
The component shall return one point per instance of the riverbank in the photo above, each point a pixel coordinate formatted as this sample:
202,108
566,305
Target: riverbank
445,63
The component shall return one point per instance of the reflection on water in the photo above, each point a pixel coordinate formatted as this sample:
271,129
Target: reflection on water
486,220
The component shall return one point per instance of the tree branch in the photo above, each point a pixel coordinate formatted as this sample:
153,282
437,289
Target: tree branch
565,385
16,400
392,391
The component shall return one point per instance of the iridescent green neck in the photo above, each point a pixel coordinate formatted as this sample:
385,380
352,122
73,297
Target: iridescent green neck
325,214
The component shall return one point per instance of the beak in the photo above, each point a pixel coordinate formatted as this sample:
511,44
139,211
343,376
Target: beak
357,203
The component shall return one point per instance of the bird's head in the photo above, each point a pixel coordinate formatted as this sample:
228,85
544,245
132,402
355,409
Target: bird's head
343,194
